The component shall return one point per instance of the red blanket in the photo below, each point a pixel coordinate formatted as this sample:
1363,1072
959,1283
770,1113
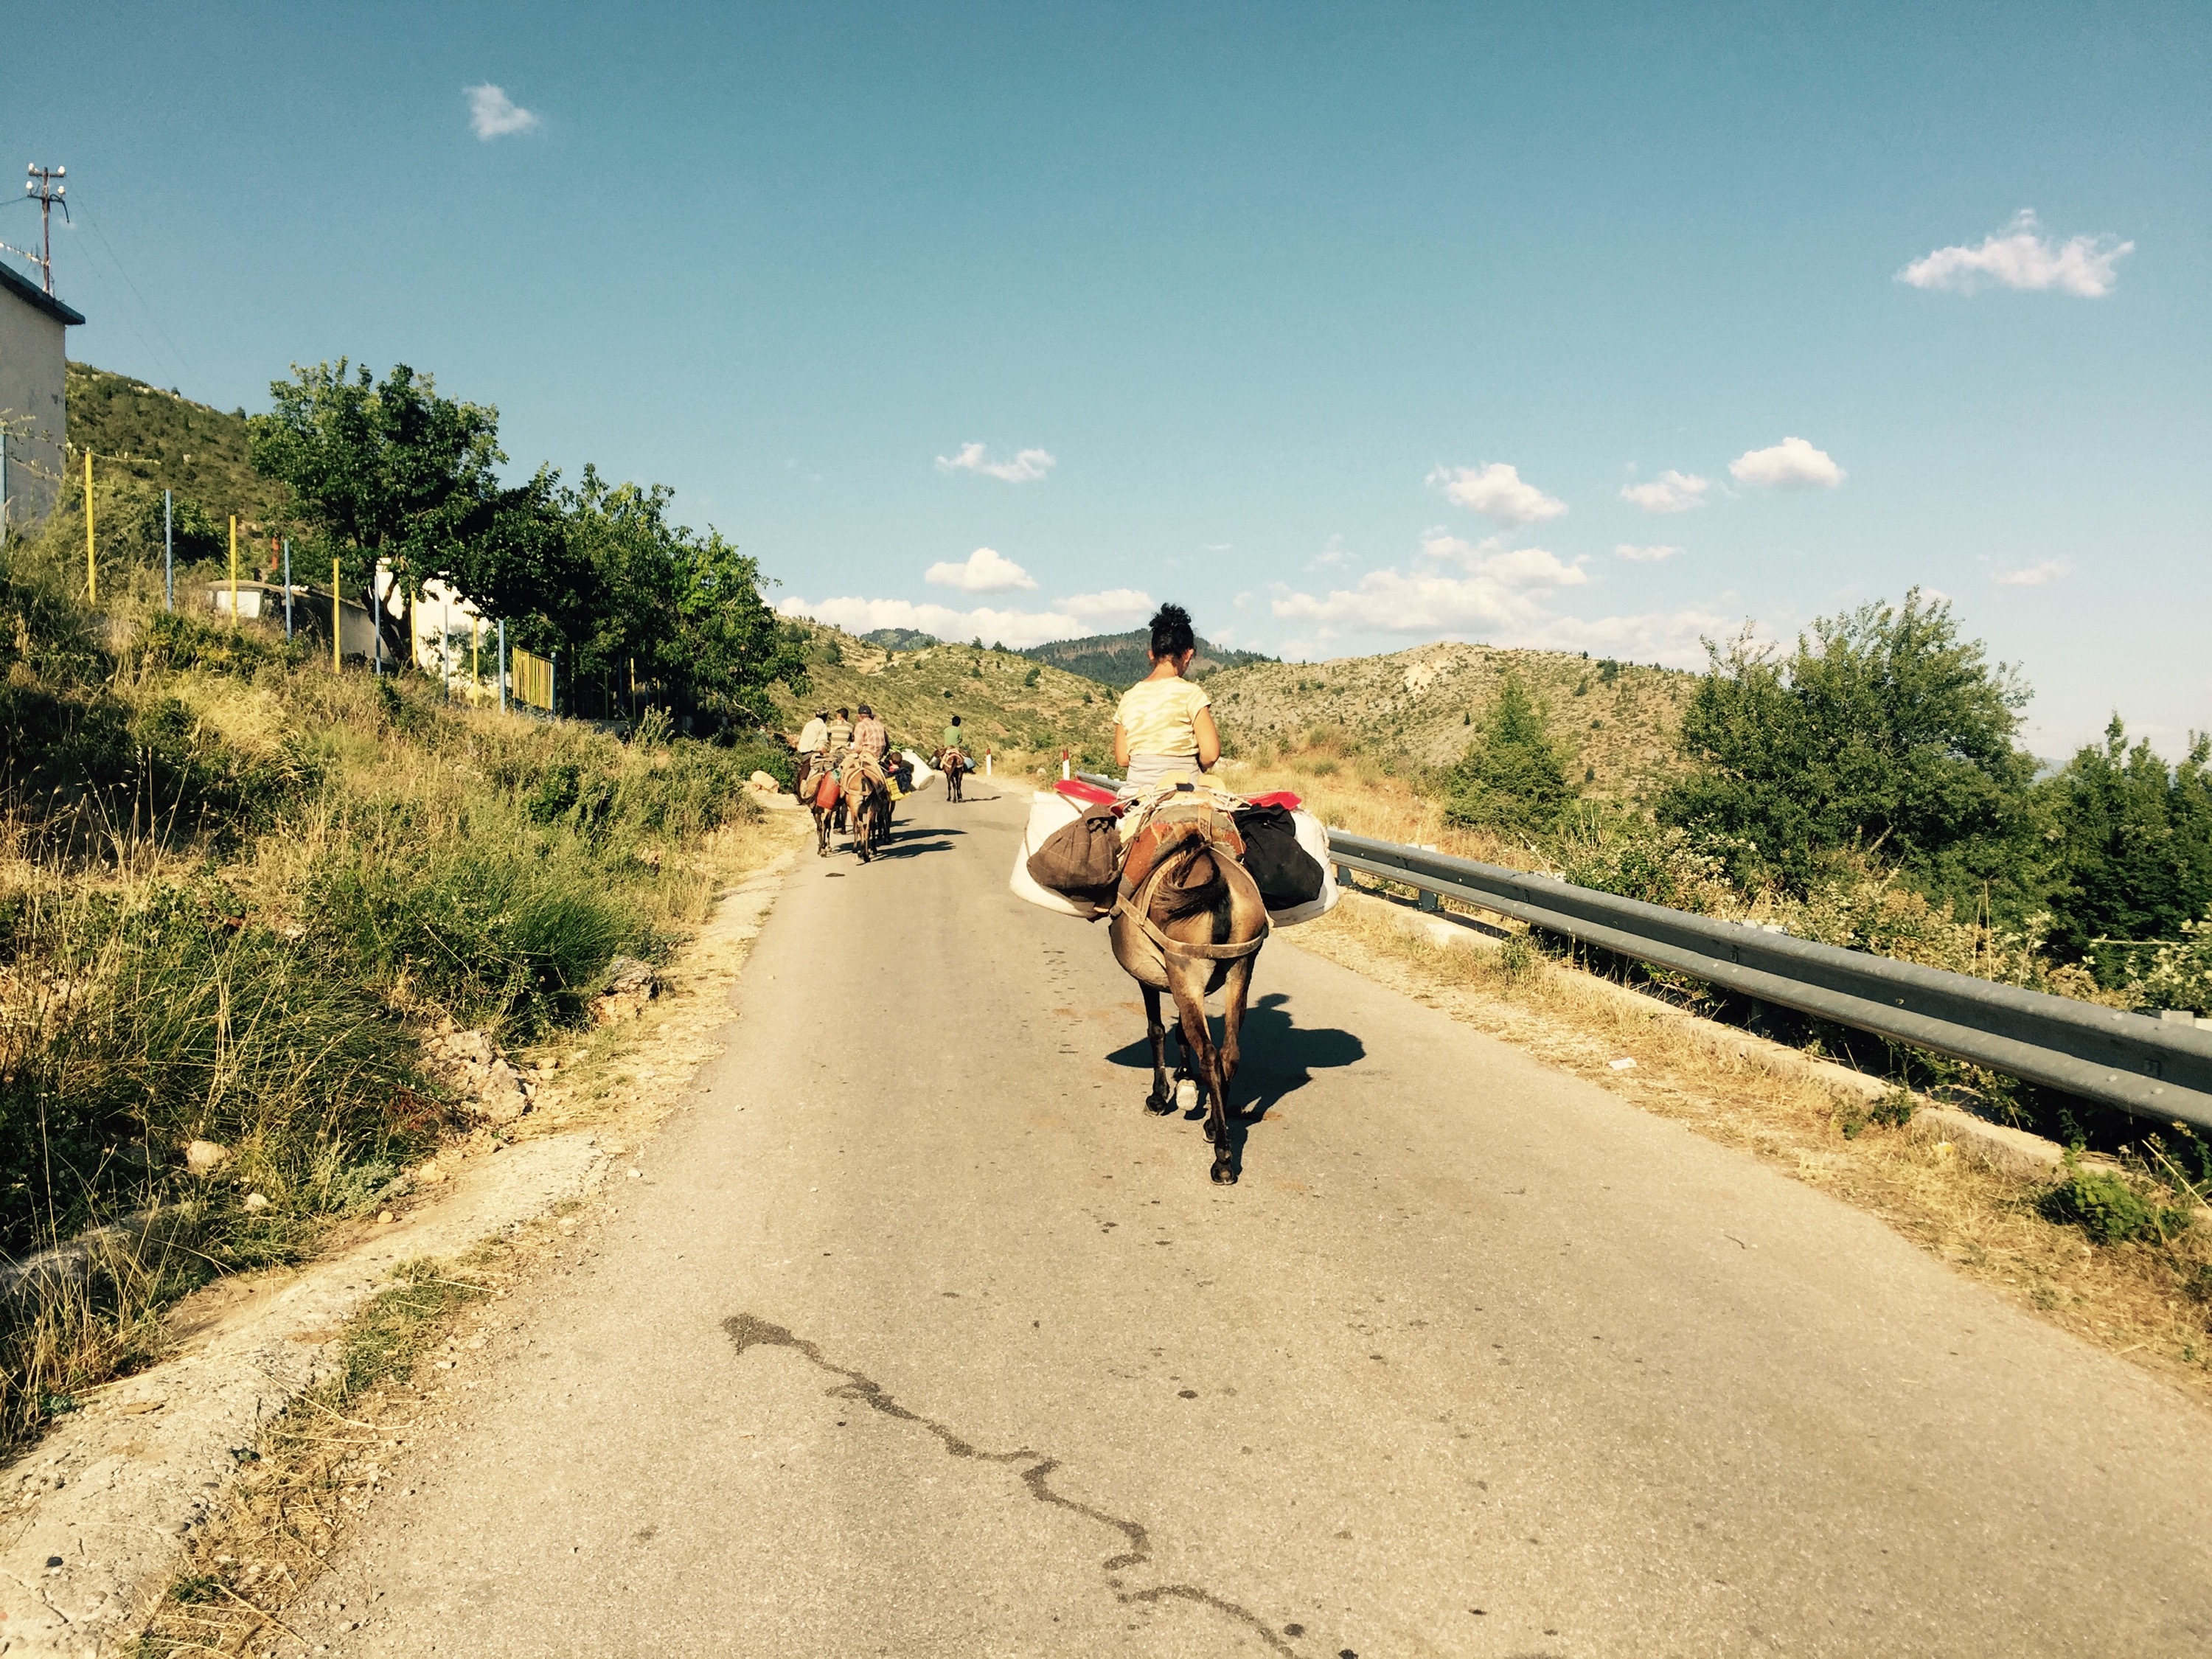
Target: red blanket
1090,794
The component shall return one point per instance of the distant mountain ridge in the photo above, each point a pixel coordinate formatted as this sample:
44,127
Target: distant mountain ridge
1122,660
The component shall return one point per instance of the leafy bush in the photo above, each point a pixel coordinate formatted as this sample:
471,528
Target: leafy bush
1624,853
2111,1207
2179,974
1884,733
170,639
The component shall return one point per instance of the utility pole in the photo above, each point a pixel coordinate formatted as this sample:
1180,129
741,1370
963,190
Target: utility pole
41,188
91,567
169,549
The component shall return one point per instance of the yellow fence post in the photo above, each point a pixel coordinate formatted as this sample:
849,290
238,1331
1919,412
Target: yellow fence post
335,617
91,566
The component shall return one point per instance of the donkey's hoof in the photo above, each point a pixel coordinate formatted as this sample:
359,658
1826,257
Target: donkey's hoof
1224,1173
1160,1106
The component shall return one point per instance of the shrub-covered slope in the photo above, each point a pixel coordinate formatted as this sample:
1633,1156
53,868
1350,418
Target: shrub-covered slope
1620,723
1015,707
1120,660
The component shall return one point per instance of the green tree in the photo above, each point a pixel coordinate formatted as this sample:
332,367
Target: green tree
381,470
1514,775
684,608
2133,842
1883,733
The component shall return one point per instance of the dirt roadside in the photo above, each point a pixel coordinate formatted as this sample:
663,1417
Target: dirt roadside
96,1518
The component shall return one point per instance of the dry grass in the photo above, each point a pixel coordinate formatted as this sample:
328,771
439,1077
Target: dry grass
341,1447
327,1460
2133,1300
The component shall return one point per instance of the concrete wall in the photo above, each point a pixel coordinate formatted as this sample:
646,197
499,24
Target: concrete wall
34,354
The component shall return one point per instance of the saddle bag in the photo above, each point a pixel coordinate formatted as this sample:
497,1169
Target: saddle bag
1286,874
1081,860
826,791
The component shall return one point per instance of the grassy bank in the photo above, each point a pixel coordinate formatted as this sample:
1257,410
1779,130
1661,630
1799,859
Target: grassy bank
236,892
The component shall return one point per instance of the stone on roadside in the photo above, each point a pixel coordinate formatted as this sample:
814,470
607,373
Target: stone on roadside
470,1064
256,1201
630,984
204,1157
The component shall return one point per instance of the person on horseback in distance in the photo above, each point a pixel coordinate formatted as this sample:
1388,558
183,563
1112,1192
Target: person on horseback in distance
1164,729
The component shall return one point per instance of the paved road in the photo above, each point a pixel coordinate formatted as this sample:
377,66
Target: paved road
922,1338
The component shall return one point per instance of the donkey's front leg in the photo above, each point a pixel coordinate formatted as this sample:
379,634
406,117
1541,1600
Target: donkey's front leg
1160,1100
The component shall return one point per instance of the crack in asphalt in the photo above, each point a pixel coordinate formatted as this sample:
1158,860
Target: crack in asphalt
748,1332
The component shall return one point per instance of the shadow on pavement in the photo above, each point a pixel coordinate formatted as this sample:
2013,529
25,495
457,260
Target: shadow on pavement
1279,1056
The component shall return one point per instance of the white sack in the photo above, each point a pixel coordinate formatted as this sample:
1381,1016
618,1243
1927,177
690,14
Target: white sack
1313,837
921,772
1048,812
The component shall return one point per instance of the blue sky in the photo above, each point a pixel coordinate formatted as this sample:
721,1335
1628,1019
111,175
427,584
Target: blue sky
1348,327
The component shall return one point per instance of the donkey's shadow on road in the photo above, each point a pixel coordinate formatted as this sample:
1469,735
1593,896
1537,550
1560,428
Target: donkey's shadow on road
1280,1058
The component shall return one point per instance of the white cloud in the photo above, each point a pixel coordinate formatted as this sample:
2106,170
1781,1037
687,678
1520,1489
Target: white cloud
1125,605
1027,465
1673,637
1514,567
1497,492
1670,492
1636,554
493,114
2041,573
1506,596
1793,463
1391,602
2018,256
1014,627
985,570
1532,567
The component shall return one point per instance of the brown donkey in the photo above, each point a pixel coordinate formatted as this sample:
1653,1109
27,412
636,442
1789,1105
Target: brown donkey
1189,919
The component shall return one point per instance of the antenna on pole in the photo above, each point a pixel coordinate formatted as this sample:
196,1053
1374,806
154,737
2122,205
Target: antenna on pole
42,187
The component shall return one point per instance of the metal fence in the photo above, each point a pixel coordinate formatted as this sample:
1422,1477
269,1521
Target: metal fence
2156,1069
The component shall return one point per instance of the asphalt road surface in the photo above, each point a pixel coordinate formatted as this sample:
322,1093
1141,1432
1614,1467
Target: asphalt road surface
921,1338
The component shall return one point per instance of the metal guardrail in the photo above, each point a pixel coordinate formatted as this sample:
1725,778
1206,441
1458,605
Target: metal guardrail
2156,1069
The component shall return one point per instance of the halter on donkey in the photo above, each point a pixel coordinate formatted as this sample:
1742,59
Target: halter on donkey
1188,919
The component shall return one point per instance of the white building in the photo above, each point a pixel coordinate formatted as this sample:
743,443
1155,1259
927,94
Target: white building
34,384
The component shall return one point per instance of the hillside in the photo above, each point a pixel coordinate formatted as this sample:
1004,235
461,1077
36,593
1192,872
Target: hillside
168,442
1621,720
1014,706
900,639
1408,710
1120,660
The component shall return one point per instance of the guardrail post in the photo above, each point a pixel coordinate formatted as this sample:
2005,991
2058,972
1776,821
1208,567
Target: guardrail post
1426,900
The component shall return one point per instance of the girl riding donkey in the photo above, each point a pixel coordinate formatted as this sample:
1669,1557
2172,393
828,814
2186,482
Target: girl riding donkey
1188,919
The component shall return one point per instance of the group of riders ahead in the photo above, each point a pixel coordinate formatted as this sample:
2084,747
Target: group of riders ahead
1164,732
848,773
